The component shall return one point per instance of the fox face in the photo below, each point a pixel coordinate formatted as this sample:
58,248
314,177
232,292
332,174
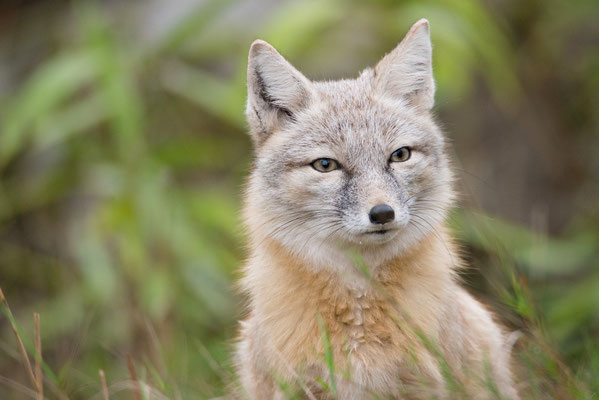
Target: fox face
346,164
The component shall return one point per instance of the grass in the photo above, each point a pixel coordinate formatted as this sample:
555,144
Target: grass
122,161
539,370
35,377
545,375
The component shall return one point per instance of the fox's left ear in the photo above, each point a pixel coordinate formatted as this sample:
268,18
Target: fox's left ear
407,71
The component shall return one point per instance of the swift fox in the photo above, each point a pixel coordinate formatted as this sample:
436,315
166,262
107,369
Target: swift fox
351,273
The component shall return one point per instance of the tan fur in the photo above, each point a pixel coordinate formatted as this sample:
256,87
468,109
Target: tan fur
403,328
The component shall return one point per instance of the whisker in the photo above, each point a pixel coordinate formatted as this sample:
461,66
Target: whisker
433,230
426,189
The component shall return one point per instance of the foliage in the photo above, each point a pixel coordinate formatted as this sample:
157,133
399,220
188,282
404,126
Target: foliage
122,158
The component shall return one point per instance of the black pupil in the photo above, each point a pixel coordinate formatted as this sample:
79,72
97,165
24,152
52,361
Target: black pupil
325,164
400,153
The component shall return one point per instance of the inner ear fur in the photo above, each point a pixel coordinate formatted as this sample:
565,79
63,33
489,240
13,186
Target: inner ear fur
406,73
276,91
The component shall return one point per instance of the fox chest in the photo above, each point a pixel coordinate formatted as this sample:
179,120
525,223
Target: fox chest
377,346
360,325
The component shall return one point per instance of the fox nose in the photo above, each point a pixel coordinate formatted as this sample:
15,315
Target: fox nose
381,214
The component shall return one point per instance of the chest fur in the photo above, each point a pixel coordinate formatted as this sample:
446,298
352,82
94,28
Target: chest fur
380,327
373,331
374,343
371,337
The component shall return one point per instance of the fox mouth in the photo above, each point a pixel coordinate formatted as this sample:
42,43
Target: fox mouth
377,236
378,232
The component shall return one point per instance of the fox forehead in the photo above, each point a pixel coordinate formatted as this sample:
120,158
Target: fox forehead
350,121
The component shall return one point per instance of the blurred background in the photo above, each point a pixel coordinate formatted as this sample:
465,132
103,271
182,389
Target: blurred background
123,151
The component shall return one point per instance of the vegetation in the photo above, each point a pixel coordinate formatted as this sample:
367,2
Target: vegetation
123,151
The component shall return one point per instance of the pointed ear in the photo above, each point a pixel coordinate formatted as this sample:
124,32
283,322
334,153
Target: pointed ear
276,91
407,71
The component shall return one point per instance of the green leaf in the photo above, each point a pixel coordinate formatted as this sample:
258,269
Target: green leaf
52,84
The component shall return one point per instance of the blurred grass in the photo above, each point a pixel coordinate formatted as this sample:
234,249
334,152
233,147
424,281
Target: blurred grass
122,161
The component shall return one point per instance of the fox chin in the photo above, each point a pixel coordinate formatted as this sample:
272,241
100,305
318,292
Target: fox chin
351,274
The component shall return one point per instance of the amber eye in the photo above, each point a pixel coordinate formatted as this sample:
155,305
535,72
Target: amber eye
400,155
324,165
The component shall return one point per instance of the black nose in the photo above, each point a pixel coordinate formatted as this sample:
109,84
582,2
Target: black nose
381,214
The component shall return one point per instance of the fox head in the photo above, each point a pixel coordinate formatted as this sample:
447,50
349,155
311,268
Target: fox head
346,164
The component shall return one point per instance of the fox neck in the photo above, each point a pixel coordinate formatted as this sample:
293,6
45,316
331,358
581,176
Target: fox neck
355,268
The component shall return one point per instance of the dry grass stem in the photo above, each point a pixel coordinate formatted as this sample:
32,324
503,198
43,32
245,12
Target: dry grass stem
137,388
105,395
39,377
13,325
25,390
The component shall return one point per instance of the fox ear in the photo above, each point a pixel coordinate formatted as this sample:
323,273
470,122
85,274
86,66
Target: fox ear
276,91
407,71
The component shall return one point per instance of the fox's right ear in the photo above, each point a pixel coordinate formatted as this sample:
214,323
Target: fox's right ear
276,91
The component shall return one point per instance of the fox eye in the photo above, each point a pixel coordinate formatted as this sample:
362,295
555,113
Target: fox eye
400,155
324,165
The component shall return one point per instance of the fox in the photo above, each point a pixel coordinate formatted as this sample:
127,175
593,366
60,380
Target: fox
351,277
